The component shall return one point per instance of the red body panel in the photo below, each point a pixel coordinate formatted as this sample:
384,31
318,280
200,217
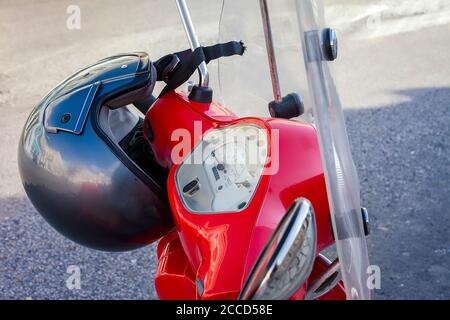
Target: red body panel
220,249
175,279
173,112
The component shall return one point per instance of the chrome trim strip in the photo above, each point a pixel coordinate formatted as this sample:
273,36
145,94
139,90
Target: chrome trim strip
270,50
326,281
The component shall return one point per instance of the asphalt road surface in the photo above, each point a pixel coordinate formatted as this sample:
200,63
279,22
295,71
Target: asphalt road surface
395,87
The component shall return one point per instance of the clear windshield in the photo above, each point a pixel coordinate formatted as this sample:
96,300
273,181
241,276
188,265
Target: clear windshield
249,75
245,86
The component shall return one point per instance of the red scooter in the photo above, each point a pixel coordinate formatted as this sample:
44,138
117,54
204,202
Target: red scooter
256,230
254,201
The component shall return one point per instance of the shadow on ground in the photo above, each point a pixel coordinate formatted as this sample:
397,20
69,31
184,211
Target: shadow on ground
403,157
34,260
402,153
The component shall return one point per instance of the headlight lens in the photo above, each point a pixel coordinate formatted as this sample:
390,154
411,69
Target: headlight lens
223,171
288,257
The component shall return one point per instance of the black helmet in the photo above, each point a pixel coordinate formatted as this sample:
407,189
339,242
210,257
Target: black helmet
84,163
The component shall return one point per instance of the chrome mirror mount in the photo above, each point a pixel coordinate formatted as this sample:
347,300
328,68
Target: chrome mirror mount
288,257
193,39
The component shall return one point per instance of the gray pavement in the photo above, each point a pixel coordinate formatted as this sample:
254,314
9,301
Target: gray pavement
395,88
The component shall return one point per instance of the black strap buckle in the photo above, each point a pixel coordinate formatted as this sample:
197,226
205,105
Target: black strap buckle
170,68
166,66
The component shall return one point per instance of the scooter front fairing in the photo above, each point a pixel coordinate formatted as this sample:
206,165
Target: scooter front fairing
303,47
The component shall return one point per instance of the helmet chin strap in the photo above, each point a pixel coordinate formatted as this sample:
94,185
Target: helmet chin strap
175,69
178,68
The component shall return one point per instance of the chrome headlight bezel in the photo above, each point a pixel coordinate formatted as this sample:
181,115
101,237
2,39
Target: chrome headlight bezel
288,257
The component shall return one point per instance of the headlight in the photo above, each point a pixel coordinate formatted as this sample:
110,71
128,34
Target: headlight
223,171
288,257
